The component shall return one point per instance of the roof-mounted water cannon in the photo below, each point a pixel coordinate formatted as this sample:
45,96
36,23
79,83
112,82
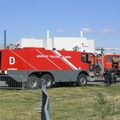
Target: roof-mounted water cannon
76,48
100,49
12,46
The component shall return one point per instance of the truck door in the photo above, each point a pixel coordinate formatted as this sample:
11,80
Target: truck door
115,62
84,59
88,61
91,61
108,62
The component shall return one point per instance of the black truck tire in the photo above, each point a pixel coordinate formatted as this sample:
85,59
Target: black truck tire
33,82
48,79
82,80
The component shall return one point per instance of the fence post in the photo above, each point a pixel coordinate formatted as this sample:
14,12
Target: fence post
45,112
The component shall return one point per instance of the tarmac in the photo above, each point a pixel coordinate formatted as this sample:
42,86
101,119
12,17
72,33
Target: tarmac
101,82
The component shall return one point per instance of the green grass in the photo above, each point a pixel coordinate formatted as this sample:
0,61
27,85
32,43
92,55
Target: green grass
19,105
67,103
85,103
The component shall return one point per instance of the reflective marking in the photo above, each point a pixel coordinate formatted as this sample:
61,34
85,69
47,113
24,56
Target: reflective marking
23,60
65,60
49,59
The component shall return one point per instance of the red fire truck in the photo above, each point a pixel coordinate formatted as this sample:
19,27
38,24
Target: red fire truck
52,65
109,59
109,62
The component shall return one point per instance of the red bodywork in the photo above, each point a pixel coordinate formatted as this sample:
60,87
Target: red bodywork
41,59
107,60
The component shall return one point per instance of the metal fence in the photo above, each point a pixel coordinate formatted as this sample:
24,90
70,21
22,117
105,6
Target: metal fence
17,103
45,113
9,83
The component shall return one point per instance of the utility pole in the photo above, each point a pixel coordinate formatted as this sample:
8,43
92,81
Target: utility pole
4,39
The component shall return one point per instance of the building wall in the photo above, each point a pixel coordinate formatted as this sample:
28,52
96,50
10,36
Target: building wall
31,42
49,44
68,43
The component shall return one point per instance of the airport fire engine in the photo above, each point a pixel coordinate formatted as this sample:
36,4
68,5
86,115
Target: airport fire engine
56,66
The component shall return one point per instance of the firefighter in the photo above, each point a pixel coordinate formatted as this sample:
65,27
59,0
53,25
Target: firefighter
115,67
91,66
108,78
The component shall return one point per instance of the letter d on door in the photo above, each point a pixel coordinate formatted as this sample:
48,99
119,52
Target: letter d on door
11,60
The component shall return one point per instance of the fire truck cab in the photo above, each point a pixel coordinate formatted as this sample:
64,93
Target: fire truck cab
111,60
112,63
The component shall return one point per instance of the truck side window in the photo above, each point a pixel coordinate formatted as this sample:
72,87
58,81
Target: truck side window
115,59
84,58
108,59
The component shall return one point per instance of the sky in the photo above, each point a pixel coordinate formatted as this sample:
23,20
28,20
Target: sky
99,19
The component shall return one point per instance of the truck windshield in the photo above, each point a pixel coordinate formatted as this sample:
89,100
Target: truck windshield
109,59
87,57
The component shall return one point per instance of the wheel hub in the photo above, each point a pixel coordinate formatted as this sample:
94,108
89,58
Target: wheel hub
83,80
48,81
33,83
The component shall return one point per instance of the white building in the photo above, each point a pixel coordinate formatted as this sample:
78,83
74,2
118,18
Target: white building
30,42
70,43
59,43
